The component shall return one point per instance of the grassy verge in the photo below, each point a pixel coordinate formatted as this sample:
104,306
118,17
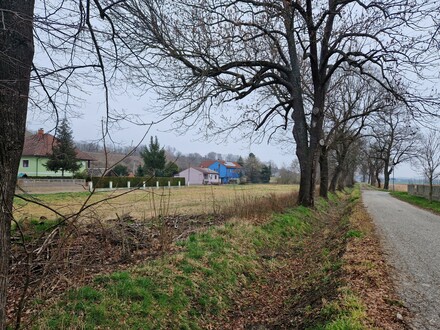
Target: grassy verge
347,311
184,290
417,201
367,299
283,273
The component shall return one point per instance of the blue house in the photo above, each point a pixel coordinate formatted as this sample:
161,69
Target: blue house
229,171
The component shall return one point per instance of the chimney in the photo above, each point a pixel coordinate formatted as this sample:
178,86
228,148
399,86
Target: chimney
40,132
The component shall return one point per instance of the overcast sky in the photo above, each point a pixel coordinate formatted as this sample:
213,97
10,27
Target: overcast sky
86,126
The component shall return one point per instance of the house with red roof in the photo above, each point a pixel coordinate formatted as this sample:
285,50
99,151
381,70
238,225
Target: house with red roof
230,172
36,151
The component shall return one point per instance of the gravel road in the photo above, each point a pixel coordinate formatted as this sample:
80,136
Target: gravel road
411,239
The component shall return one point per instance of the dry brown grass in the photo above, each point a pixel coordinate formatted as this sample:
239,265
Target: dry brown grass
144,204
400,187
367,274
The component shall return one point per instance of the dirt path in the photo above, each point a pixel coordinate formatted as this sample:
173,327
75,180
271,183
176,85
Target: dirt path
411,238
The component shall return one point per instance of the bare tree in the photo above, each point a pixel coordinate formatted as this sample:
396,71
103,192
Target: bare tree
289,174
427,158
371,162
352,98
394,139
265,57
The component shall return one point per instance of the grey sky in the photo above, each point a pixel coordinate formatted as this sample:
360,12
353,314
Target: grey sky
86,126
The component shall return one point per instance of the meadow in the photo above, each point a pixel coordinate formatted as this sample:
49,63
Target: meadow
144,204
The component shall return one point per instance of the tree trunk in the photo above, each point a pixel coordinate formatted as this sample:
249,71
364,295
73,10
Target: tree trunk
323,162
378,179
308,159
307,150
350,178
341,179
304,184
373,181
335,178
16,54
386,177
430,189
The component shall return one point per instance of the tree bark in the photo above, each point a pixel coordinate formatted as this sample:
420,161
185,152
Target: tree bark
386,177
378,179
342,179
430,189
372,180
335,178
300,128
324,176
16,54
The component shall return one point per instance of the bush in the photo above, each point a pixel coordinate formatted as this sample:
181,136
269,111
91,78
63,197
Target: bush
121,181
81,175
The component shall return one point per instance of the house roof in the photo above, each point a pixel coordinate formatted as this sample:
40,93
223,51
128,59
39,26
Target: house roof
98,172
205,170
208,163
202,170
41,144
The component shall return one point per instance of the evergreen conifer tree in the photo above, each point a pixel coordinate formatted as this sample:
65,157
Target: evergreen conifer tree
63,157
265,173
154,158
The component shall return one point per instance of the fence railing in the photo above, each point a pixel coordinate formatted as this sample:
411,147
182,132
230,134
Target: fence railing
422,190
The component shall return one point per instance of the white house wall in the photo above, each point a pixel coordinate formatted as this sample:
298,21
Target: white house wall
195,177
192,176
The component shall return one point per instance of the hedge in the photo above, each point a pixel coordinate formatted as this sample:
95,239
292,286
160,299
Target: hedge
121,181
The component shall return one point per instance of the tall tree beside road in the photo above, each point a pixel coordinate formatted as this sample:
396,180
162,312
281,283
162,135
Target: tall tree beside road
395,139
427,158
63,157
352,99
16,54
272,59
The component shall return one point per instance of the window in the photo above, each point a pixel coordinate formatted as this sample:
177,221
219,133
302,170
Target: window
25,163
